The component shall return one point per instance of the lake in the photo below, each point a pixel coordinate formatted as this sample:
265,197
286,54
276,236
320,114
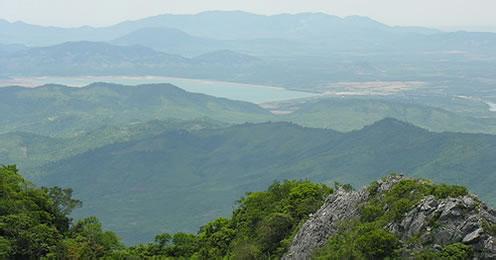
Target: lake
230,90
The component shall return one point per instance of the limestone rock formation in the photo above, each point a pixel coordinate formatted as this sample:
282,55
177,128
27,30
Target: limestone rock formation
433,222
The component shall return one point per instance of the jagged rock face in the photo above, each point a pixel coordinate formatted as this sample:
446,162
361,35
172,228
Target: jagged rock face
435,222
340,206
456,220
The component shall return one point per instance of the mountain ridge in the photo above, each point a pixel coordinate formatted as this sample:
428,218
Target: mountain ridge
223,163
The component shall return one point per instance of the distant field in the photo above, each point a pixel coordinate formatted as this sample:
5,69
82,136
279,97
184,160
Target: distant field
370,88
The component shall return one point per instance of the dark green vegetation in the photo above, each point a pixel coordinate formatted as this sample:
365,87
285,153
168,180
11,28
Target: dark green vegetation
261,226
34,150
368,239
200,173
35,222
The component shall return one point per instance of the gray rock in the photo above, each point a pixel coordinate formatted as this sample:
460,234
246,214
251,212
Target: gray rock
472,237
437,222
340,206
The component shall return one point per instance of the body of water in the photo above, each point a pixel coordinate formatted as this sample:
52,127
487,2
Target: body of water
230,90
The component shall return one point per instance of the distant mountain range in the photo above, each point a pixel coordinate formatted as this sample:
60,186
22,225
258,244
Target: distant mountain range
306,51
213,30
99,58
224,25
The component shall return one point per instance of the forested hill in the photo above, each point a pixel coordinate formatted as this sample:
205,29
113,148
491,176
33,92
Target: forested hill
61,110
182,179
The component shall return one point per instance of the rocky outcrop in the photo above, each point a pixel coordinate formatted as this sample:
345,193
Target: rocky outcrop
340,206
431,223
439,222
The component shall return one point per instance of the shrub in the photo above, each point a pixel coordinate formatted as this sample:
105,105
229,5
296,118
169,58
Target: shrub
371,211
443,191
489,227
375,242
359,241
456,251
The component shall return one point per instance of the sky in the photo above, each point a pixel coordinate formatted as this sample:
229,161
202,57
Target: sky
444,14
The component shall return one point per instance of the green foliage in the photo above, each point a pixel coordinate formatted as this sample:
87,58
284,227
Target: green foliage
456,251
179,245
403,196
371,211
357,240
490,228
266,219
346,187
92,240
373,188
375,242
215,238
444,191
34,223
31,224
260,227
246,250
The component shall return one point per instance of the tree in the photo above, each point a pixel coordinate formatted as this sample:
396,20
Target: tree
89,234
214,238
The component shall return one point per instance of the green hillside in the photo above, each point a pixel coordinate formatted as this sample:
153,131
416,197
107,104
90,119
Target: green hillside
55,110
180,179
61,111
32,150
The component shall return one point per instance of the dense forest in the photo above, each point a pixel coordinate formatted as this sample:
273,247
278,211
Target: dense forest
35,223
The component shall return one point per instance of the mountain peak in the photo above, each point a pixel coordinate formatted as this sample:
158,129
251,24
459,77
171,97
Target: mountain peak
392,123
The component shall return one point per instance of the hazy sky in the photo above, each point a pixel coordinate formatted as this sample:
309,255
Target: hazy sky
433,13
